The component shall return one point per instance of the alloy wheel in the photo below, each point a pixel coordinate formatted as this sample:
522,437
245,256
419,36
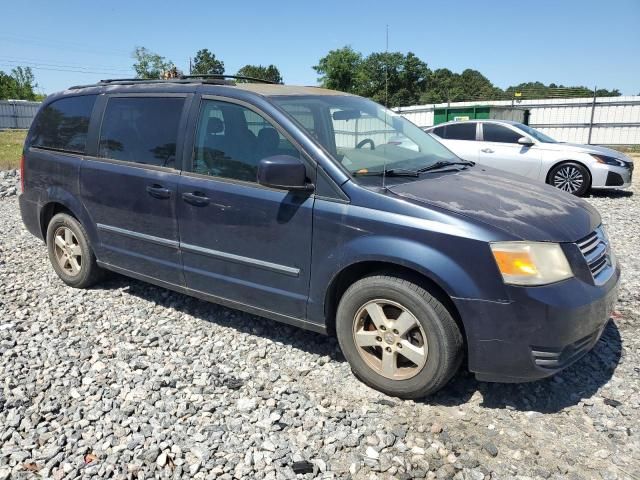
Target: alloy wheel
569,179
390,339
67,251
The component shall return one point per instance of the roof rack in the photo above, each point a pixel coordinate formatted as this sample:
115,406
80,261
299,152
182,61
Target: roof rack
213,79
233,77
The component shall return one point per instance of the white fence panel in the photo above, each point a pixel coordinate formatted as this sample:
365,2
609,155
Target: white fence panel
616,120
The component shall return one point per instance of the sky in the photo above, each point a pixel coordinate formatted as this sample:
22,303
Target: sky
570,42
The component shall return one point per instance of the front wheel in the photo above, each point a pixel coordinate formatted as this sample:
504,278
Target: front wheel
570,177
397,337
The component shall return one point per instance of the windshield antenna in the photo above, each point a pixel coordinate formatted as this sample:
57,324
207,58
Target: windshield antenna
386,104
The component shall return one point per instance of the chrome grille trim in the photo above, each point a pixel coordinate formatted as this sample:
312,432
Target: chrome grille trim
595,250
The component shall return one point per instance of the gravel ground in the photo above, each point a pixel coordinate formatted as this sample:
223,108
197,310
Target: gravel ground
132,381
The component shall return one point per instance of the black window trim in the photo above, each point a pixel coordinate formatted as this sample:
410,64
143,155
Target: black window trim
311,164
180,139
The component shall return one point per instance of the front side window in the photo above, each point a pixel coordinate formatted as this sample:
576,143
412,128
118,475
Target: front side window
63,124
364,136
141,130
492,132
232,139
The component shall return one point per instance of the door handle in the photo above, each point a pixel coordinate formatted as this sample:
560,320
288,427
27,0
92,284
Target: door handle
486,150
158,191
198,199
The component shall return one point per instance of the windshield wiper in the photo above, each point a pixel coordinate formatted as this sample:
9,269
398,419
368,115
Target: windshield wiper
443,164
393,172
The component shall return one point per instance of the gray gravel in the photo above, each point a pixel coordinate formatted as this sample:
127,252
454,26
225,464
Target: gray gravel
132,381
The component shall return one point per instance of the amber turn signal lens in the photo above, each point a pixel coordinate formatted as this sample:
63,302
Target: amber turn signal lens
515,263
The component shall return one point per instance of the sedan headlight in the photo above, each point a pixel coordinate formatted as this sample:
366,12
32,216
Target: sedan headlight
605,160
531,263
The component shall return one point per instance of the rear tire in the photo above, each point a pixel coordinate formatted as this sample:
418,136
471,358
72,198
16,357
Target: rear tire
70,253
570,177
381,324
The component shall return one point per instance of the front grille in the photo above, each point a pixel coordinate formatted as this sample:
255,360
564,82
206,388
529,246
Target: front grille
595,249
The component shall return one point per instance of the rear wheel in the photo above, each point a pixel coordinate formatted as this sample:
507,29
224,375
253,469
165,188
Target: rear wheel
397,337
570,177
70,253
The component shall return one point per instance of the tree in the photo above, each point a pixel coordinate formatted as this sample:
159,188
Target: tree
19,85
270,73
206,63
149,65
392,78
339,69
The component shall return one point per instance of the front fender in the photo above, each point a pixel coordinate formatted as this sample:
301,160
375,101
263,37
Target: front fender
433,262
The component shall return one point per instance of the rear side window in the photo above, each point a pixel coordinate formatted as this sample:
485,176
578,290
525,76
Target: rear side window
63,124
492,132
457,131
141,130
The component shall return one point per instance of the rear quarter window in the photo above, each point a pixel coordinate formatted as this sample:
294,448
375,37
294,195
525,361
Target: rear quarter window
458,131
63,124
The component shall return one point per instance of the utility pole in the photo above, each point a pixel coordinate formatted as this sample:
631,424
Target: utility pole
190,67
593,111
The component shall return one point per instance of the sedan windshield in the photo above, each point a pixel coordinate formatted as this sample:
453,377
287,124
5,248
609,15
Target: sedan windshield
538,135
363,136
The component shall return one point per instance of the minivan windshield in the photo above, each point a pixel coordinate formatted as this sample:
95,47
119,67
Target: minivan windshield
365,137
538,135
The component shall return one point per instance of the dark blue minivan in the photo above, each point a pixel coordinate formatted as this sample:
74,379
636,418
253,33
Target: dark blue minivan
323,210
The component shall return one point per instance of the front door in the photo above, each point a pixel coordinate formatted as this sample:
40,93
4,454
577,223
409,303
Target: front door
240,241
129,186
499,148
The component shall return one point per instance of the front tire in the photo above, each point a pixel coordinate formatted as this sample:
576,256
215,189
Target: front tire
70,253
571,177
397,337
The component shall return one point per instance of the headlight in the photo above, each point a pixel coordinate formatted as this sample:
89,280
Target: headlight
531,263
605,160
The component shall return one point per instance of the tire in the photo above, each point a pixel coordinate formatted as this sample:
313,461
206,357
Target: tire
401,303
73,261
570,177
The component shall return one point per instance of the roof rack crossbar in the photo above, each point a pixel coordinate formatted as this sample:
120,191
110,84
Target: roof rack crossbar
233,77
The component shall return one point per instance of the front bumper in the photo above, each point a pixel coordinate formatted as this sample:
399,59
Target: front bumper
611,177
540,331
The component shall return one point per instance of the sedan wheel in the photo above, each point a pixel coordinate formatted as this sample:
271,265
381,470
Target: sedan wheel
390,339
571,178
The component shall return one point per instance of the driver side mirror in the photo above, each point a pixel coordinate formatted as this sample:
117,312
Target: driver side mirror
284,172
526,141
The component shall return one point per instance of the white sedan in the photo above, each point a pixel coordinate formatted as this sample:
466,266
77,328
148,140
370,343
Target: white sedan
521,149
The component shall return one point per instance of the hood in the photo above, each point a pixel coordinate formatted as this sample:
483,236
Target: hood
525,209
578,147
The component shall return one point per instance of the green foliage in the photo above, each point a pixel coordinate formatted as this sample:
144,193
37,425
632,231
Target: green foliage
19,85
270,73
409,81
339,69
149,65
206,63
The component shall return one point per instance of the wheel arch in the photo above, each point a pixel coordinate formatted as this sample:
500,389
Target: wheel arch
358,270
567,160
59,200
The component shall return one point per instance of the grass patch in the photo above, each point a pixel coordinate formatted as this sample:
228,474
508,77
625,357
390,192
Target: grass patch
11,142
